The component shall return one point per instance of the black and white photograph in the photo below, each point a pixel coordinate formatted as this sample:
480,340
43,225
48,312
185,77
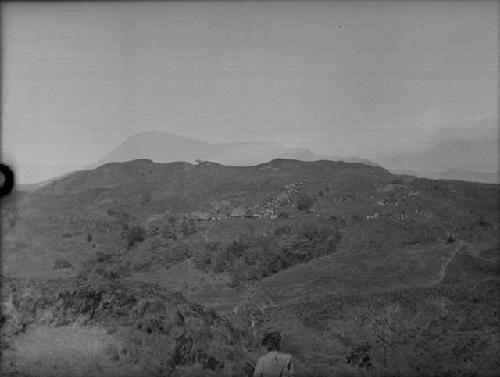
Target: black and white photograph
250,188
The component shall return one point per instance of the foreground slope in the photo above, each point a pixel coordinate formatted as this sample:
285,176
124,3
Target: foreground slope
109,329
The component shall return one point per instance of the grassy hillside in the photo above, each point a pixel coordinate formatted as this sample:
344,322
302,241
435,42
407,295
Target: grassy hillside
365,272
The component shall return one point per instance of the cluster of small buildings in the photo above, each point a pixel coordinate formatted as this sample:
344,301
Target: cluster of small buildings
394,200
387,202
224,209
294,187
270,209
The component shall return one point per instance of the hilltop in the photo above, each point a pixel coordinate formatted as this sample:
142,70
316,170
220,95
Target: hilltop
325,251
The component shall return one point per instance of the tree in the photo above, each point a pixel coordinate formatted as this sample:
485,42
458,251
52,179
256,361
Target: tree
188,227
135,235
304,203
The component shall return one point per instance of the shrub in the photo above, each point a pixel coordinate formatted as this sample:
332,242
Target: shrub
109,273
483,222
176,254
188,227
283,229
213,246
304,203
154,243
315,231
168,232
102,257
135,235
60,263
199,370
360,356
91,270
283,215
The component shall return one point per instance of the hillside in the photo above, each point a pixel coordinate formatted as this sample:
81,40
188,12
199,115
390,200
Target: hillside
107,329
362,270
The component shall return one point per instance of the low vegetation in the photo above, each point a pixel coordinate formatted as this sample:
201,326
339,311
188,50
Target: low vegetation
362,270
252,257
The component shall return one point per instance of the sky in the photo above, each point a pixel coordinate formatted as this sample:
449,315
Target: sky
362,79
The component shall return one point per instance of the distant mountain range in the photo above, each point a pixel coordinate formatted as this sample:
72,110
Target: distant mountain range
462,151
163,147
167,147
454,174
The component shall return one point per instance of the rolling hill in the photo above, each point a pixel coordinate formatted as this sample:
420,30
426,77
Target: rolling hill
364,271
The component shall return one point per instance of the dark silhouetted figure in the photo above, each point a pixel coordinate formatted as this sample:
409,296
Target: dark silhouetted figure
274,363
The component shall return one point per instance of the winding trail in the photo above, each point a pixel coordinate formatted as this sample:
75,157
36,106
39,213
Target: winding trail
442,271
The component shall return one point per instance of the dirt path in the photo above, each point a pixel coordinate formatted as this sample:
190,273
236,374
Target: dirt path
442,271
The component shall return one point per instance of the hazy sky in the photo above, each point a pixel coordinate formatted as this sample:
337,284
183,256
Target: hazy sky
348,78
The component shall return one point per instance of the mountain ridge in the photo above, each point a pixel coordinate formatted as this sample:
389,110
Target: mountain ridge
168,147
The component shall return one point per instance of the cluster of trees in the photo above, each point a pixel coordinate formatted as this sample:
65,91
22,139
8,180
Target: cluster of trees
172,229
252,257
304,203
103,266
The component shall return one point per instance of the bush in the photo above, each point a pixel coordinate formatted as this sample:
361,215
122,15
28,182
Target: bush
317,231
483,222
92,269
169,232
177,253
60,263
199,370
282,215
135,235
360,356
188,227
397,181
283,229
102,257
253,257
304,203
110,273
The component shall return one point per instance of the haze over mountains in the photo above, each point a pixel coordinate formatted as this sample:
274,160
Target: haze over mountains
167,147
464,151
